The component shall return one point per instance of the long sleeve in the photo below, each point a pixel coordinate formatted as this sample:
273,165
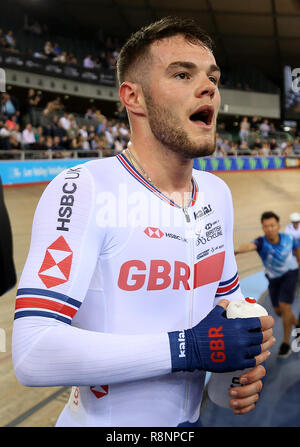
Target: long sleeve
47,350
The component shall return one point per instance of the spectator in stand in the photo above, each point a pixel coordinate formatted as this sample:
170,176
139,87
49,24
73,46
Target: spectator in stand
88,62
33,100
244,149
28,138
225,147
38,133
71,59
62,134
109,136
14,141
103,60
41,144
49,142
244,129
265,150
283,146
48,50
264,128
297,145
16,135
73,130
272,131
254,124
54,106
65,121
274,147
124,132
83,143
61,58
118,146
5,134
256,145
9,106
89,114
11,122
288,150
56,144
219,141
56,49
83,131
11,41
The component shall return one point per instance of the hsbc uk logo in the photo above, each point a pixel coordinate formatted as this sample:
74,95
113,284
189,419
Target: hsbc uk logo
154,233
56,266
99,390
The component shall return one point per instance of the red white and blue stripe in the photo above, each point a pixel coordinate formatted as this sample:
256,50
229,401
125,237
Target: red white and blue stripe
45,303
228,287
131,169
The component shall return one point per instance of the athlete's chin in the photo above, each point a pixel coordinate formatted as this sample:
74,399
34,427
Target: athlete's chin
200,151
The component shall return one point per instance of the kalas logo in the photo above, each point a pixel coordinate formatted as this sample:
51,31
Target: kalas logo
57,263
154,232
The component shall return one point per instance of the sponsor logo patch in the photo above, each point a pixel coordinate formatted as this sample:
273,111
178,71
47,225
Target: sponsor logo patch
57,263
99,390
155,233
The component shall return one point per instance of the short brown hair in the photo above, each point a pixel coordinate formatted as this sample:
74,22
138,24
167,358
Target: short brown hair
136,48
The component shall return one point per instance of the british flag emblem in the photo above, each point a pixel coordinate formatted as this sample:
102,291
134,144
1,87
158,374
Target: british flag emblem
57,263
154,232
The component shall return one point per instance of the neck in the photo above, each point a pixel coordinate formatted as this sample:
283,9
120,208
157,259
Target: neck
169,171
274,240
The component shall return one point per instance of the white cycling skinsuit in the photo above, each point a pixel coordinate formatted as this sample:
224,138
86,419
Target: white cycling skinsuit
113,266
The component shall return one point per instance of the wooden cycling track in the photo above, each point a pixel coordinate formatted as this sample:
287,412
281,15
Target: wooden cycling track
253,193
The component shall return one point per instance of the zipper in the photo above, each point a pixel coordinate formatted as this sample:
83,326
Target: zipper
187,217
191,303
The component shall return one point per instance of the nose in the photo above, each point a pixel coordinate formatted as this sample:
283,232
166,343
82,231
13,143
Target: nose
205,88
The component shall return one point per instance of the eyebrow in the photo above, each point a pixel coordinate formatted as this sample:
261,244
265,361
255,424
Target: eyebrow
190,66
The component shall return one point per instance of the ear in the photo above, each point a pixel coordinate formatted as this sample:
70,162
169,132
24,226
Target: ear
132,97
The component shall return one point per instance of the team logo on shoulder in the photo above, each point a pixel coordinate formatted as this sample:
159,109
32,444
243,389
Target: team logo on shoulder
99,390
57,263
154,232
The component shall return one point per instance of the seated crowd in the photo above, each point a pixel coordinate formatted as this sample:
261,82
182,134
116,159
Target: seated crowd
54,128
60,131
257,137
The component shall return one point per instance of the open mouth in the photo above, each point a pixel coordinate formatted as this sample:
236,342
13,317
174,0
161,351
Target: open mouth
203,115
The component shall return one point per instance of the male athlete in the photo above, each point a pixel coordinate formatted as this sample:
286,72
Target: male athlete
121,294
277,252
294,227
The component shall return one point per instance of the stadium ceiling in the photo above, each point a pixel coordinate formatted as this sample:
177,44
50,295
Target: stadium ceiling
263,33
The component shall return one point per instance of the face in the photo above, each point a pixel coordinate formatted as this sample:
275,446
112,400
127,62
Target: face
182,96
270,228
296,225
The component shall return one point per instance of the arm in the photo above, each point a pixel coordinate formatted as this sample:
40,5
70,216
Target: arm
242,399
297,254
47,350
244,248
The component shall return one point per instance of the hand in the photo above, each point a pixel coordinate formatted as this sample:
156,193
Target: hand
244,398
218,344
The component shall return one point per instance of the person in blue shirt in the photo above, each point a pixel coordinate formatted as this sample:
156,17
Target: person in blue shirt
280,254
